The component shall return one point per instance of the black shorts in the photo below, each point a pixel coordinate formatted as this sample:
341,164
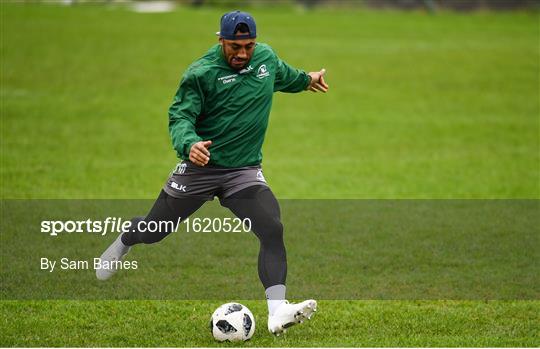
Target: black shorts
189,180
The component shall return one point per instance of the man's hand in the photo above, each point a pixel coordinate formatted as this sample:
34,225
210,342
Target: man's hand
199,154
317,81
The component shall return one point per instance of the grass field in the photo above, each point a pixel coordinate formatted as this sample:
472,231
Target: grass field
340,323
420,107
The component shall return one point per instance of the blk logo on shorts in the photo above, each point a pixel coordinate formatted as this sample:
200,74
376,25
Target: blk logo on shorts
179,187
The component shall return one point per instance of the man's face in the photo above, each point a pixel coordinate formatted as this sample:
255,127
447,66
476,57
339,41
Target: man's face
238,52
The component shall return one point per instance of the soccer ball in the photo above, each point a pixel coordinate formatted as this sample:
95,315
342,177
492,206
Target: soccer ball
232,322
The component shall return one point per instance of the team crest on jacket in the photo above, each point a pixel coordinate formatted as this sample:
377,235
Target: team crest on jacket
262,72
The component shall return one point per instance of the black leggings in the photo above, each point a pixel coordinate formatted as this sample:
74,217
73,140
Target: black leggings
256,203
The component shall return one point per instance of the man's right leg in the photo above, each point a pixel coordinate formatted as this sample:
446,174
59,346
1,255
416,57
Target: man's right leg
165,212
259,205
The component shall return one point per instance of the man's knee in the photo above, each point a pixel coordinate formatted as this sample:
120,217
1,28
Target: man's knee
272,232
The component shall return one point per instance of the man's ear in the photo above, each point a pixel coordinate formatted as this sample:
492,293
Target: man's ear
221,41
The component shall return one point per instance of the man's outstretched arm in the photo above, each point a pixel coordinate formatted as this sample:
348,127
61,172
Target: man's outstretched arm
289,79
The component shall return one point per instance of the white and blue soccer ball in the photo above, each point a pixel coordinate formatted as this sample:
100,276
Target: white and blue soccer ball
232,322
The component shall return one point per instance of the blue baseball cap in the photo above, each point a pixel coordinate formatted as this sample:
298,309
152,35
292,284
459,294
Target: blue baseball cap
230,20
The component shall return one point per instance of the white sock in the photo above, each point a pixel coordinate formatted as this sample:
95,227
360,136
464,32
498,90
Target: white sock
275,295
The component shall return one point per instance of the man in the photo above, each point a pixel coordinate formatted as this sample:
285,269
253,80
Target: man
217,124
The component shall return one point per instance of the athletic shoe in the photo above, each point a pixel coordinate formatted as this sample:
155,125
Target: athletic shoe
111,257
287,315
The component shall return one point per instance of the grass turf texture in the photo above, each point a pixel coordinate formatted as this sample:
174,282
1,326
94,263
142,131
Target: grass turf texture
344,323
420,107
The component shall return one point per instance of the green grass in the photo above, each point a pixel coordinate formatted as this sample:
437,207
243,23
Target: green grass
345,323
423,107
420,106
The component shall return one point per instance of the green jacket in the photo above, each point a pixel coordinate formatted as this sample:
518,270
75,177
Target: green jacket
230,108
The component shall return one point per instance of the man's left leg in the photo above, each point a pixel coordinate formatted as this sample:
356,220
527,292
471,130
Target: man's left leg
165,214
258,204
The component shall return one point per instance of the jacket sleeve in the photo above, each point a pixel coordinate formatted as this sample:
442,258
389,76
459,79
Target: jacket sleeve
183,113
289,79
